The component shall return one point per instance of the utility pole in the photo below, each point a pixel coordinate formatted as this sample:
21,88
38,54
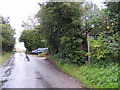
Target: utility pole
88,44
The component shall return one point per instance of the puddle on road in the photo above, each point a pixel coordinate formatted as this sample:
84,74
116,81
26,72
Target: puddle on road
38,76
41,80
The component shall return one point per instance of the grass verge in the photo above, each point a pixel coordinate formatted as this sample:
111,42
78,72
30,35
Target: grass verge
92,75
42,54
5,57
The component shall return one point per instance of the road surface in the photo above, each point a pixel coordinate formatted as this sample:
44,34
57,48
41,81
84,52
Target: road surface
36,73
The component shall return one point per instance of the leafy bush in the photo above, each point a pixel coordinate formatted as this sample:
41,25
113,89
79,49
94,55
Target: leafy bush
78,57
104,48
102,75
94,75
71,50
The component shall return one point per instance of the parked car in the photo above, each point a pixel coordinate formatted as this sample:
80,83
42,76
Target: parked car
38,51
33,52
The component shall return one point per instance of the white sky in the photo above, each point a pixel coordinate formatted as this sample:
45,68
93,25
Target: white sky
18,11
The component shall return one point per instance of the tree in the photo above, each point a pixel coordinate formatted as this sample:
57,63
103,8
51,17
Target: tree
32,39
61,26
106,45
7,40
113,12
31,36
30,23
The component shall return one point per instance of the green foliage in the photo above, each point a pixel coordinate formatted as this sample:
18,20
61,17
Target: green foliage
32,35
66,24
5,57
113,12
71,50
6,35
43,54
95,75
101,76
79,57
32,39
104,48
60,23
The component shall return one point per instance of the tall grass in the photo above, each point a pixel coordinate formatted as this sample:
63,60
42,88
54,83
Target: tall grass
5,57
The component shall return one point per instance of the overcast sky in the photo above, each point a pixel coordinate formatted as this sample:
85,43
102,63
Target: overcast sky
20,10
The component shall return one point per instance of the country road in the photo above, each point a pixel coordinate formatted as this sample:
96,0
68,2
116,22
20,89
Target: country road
36,73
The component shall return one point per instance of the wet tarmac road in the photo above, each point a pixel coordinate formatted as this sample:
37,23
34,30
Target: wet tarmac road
36,73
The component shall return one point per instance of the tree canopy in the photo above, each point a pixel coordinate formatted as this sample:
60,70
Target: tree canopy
6,36
31,36
64,28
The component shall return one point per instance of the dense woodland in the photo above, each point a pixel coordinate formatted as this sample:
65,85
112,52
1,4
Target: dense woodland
7,39
79,33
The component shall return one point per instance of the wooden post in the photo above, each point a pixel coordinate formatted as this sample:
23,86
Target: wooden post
88,44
